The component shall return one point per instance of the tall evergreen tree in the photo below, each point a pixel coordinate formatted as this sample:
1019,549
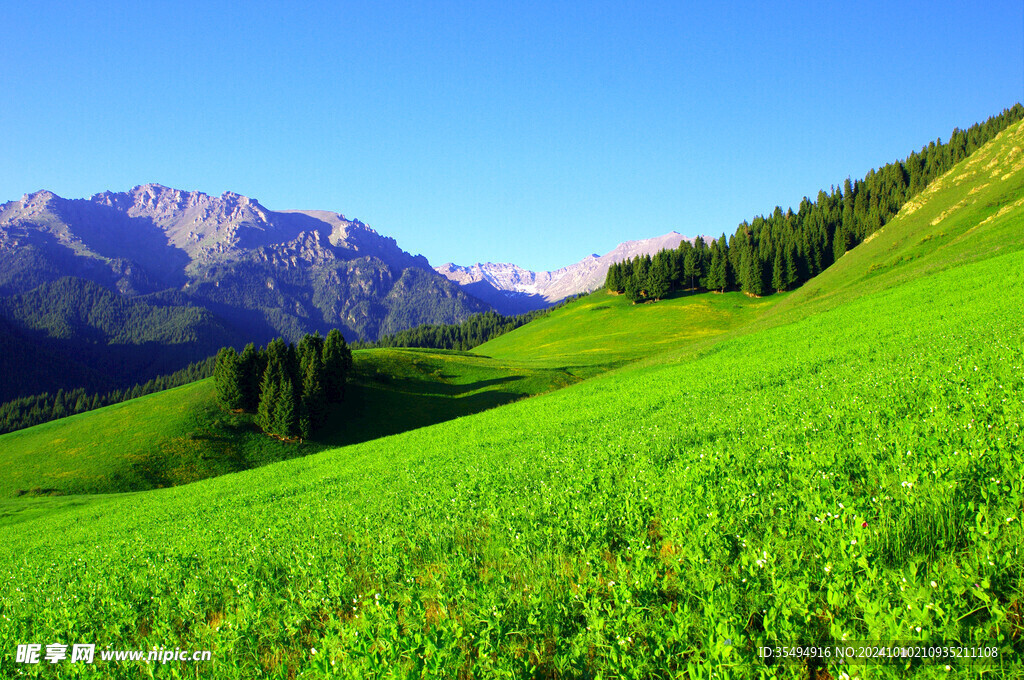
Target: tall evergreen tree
337,364
702,258
691,267
252,368
313,407
633,289
792,270
718,272
778,271
286,415
228,379
753,277
310,347
270,394
641,271
658,279
612,280
726,274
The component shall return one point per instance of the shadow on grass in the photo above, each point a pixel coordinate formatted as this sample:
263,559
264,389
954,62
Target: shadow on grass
370,411
414,386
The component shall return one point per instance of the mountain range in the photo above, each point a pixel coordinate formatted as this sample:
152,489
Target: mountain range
265,272
115,289
510,289
122,286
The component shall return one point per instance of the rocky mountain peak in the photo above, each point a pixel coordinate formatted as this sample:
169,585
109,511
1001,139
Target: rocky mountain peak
512,289
268,271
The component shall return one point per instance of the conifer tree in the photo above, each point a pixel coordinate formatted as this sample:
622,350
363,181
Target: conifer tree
700,262
691,270
228,378
673,266
337,363
286,415
641,272
314,400
841,242
717,276
658,279
612,280
310,350
270,389
753,279
792,272
633,288
625,273
725,274
778,272
250,368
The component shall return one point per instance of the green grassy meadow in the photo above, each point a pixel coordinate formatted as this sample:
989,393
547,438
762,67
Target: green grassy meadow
603,331
181,435
840,463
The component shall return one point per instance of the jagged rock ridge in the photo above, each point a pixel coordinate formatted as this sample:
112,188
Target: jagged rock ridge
267,272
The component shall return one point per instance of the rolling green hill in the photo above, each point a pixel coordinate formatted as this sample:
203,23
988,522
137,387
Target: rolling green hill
181,435
839,464
971,213
604,331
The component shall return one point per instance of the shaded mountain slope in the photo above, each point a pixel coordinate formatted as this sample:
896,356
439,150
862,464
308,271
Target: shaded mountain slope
267,272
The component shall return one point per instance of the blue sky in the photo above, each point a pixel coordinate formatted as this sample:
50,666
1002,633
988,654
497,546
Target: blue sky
526,132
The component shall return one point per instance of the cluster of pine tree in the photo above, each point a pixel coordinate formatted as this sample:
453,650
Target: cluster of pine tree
782,251
41,408
476,330
287,386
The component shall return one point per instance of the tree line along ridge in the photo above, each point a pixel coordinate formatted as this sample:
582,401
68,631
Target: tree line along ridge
786,249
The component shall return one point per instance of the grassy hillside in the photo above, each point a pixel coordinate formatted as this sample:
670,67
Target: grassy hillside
172,437
401,389
851,472
603,331
971,213
631,523
181,435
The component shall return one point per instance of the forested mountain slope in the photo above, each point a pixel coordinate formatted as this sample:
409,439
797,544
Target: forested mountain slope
182,273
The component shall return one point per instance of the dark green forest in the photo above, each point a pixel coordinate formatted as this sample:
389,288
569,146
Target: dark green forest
474,331
785,249
72,333
41,408
287,386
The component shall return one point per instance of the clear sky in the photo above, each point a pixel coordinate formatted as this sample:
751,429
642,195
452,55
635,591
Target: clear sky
526,132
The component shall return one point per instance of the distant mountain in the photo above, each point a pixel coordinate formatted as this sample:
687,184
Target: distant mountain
120,287
265,272
512,290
